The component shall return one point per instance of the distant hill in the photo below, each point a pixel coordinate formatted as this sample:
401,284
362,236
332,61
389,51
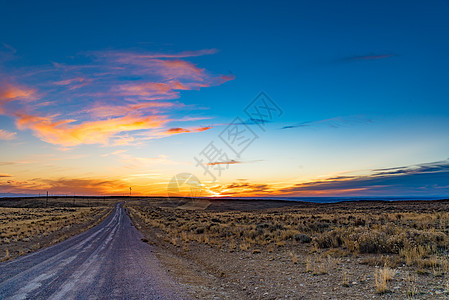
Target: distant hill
2,195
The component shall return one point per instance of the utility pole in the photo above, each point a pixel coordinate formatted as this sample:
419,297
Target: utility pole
130,191
46,202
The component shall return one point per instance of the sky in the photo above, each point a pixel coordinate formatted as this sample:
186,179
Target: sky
234,98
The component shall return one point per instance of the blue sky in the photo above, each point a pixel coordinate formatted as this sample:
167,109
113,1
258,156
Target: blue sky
362,86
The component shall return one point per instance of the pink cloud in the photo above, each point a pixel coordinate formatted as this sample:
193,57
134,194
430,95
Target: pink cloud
74,83
107,111
11,92
122,94
6,135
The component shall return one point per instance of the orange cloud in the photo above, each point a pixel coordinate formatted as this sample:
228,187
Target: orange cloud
230,162
181,69
241,189
178,130
93,132
10,92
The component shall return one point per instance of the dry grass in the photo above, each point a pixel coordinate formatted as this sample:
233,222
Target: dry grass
382,278
26,229
317,237
345,279
414,237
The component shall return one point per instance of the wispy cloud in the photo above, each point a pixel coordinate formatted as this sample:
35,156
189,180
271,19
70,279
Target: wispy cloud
9,47
369,57
108,100
243,189
6,135
127,55
426,179
229,162
133,161
177,130
335,122
416,180
10,92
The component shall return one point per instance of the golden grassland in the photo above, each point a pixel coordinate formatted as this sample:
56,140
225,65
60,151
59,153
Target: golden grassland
383,235
418,239
23,230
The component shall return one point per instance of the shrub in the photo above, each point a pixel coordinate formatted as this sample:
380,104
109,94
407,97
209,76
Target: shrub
331,239
303,238
372,242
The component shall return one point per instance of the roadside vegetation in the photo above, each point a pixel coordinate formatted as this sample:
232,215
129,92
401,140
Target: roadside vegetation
40,223
412,236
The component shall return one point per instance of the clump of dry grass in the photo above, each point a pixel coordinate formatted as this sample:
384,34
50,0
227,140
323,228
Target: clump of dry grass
318,265
412,289
345,279
294,257
382,278
6,257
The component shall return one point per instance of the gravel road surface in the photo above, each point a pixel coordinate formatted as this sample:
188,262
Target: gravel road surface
108,261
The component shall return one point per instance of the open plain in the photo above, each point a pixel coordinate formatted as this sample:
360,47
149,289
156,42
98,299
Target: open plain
276,250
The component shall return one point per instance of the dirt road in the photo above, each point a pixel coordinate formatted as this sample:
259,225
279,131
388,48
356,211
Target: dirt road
108,261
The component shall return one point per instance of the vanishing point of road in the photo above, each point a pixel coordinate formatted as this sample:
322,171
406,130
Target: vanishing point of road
108,261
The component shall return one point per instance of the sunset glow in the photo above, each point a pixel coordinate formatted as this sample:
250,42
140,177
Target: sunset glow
97,112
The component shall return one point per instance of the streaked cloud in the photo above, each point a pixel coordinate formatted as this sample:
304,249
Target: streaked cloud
74,83
127,55
177,130
335,122
369,57
115,98
429,179
423,179
243,189
6,135
65,133
9,47
10,92
134,161
229,162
